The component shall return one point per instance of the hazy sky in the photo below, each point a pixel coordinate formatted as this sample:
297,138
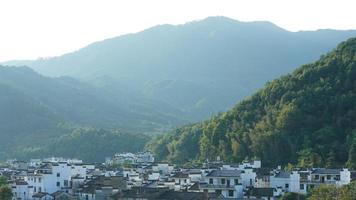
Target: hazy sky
40,28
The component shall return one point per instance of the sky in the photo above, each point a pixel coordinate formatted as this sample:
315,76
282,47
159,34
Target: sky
30,29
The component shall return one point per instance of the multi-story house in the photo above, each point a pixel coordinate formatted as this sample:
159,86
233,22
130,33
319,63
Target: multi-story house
227,183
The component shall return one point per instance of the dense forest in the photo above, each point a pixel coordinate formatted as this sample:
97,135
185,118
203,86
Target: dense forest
89,144
35,109
306,118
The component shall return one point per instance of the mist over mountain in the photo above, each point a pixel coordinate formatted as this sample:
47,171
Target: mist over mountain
199,68
34,109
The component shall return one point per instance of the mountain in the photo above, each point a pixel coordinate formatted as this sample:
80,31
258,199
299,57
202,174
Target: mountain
89,144
306,118
34,110
80,103
200,68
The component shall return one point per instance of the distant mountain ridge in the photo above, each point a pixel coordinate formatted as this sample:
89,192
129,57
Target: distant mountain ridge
34,109
199,68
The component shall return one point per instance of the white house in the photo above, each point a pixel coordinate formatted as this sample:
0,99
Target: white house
228,183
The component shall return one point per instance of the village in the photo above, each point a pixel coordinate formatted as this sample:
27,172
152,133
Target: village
137,176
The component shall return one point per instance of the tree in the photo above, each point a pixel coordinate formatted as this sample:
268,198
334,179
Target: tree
5,191
3,181
324,192
293,196
351,163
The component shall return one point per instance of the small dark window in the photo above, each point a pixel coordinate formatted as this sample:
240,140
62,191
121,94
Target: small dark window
301,186
211,181
236,181
317,177
328,177
231,193
58,174
223,181
218,192
337,177
58,184
287,185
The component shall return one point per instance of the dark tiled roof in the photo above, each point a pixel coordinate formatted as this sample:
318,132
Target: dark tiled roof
194,187
263,172
180,175
21,182
39,195
260,192
174,195
159,194
224,173
99,182
326,171
282,174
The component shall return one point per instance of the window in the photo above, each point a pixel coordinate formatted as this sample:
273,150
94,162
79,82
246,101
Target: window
39,180
328,177
301,186
337,177
34,189
34,180
58,184
223,181
317,177
185,180
231,193
58,174
65,183
86,197
39,189
287,185
218,192
236,181
211,181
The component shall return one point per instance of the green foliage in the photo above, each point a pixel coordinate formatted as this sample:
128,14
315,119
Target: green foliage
89,144
330,192
293,196
5,191
3,181
351,163
35,109
306,118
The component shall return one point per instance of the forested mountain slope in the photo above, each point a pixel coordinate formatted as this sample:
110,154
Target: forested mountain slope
306,118
35,110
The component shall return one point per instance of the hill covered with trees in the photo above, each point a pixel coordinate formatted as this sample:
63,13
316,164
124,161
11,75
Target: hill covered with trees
35,109
306,118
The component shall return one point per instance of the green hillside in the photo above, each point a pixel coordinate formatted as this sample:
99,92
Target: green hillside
306,118
36,110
